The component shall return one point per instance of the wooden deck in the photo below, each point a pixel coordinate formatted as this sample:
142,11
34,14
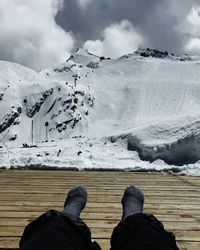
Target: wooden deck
24,195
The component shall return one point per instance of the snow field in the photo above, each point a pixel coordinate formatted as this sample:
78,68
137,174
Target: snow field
138,113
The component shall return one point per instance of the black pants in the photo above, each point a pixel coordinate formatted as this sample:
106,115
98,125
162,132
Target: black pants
56,231
142,232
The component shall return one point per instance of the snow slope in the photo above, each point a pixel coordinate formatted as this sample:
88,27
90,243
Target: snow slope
141,111
26,96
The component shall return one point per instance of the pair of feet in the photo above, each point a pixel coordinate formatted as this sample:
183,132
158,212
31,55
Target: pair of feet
132,201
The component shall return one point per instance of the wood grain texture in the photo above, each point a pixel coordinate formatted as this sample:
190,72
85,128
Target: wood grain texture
25,194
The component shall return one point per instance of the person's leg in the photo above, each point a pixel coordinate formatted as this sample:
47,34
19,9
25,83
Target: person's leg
60,230
132,201
74,204
137,230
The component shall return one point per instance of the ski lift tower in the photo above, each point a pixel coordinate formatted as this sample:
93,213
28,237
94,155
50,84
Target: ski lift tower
46,132
75,76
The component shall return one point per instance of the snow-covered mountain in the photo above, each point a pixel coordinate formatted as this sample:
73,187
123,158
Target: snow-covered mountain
145,104
27,96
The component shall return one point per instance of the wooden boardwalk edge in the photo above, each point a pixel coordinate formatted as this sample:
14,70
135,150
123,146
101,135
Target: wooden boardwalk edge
25,194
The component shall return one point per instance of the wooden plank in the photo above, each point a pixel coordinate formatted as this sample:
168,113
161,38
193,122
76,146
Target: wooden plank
108,189
15,221
93,174
97,196
52,203
90,184
105,245
11,243
58,172
42,207
33,214
102,223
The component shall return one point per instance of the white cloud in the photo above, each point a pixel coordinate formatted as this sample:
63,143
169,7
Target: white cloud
194,16
118,39
193,45
193,30
30,35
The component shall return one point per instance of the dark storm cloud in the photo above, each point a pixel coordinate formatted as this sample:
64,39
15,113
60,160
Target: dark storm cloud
153,18
100,13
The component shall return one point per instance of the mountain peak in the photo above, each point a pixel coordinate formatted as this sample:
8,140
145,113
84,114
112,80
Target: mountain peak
83,56
151,53
155,53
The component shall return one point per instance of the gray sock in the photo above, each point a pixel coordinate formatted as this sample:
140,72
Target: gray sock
75,201
132,201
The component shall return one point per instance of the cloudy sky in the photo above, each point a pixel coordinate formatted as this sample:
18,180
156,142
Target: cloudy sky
42,33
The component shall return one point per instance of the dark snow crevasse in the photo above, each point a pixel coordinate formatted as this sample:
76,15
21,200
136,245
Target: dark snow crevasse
181,152
53,104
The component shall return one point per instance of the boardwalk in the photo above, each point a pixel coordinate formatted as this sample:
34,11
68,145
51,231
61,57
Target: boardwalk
24,195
